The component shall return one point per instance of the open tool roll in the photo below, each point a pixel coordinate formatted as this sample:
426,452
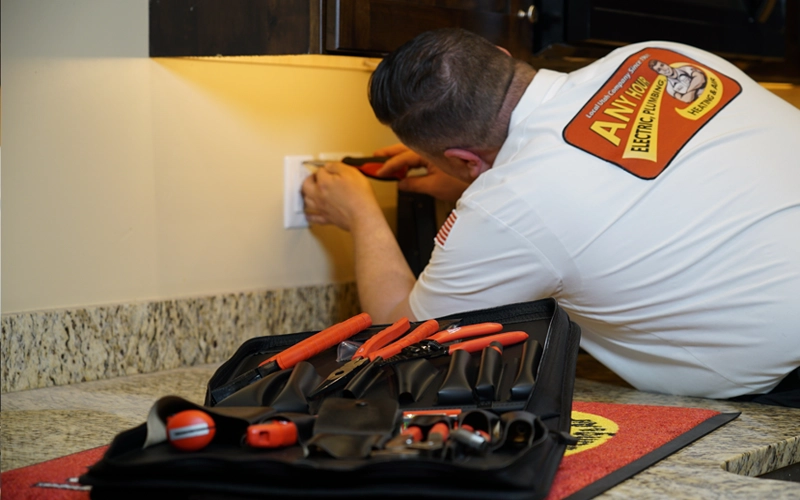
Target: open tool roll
473,405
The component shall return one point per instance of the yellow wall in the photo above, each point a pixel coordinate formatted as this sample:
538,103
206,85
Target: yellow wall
127,178
790,93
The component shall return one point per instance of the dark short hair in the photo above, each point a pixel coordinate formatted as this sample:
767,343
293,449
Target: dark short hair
443,89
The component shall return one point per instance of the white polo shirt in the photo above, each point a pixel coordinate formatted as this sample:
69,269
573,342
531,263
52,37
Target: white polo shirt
669,231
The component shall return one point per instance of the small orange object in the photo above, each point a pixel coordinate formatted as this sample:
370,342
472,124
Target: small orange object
440,431
190,430
485,435
275,434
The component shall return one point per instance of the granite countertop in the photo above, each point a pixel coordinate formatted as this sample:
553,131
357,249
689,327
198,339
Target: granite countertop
41,424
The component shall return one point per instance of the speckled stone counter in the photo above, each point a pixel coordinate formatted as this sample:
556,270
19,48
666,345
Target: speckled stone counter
46,423
66,346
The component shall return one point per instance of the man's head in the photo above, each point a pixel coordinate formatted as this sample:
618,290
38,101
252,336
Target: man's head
660,67
444,89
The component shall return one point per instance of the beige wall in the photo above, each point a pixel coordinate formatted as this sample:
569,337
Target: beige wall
127,178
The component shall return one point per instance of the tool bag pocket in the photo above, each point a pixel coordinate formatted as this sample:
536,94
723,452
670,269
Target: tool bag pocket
475,425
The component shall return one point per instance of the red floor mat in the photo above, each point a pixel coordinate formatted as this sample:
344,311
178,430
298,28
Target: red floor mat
616,442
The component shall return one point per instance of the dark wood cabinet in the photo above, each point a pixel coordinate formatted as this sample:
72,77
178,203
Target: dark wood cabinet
350,27
233,28
376,27
761,36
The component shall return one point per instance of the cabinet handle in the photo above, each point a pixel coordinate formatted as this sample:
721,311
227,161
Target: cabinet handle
530,14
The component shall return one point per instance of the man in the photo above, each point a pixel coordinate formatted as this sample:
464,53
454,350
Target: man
685,82
667,230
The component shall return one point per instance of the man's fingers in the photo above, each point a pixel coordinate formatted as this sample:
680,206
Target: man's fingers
317,219
333,168
401,163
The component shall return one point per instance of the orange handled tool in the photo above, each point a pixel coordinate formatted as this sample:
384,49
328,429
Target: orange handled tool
317,343
407,436
413,437
383,337
435,440
430,348
463,332
504,339
301,351
375,348
368,166
423,331
275,434
439,432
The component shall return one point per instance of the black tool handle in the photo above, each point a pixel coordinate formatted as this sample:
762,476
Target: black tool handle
489,372
359,161
457,388
526,374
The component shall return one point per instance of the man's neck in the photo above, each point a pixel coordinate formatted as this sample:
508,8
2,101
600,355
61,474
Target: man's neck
523,75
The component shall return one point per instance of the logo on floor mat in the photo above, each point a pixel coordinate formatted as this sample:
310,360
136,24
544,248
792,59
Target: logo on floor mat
591,431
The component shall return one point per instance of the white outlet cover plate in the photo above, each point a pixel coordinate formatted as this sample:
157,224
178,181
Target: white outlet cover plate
294,173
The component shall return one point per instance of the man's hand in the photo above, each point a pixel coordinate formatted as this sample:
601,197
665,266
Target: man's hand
339,194
435,183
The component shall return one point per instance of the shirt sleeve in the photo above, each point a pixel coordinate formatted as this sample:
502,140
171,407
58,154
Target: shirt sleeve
479,261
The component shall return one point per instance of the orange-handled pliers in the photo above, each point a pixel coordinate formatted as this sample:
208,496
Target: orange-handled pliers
440,344
368,166
380,346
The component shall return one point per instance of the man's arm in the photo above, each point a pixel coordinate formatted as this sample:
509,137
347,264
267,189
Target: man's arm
340,195
383,276
697,81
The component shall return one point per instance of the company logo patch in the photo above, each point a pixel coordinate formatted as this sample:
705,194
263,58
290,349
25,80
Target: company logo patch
649,109
444,231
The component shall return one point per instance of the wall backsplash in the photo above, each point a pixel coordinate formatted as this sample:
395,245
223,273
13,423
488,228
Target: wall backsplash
59,347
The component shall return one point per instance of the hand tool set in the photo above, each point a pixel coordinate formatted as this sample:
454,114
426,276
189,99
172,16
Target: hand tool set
474,405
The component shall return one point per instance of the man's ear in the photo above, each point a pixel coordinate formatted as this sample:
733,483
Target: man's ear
472,164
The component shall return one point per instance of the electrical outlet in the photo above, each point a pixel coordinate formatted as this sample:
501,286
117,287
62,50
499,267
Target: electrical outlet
294,173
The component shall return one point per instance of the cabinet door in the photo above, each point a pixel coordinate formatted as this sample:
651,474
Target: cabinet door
240,28
376,27
738,28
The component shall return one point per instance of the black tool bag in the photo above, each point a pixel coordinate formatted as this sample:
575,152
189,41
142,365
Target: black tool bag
508,415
